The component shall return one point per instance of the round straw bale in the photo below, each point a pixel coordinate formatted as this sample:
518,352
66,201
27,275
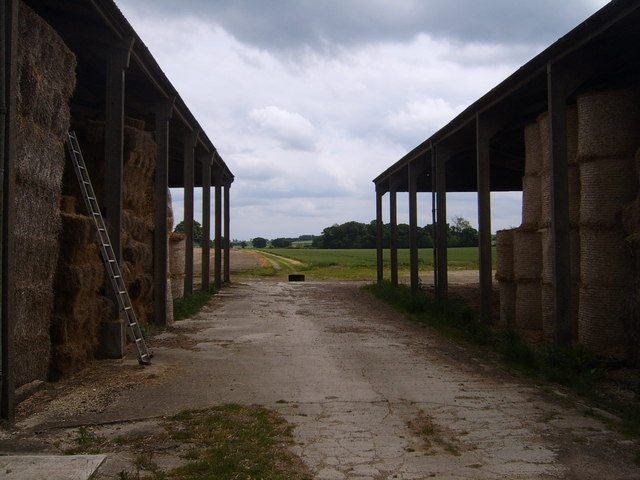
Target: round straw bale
136,226
527,254
602,320
76,230
609,123
504,251
507,303
532,149
605,258
573,173
138,254
606,186
177,250
177,286
528,306
547,254
169,211
572,138
531,201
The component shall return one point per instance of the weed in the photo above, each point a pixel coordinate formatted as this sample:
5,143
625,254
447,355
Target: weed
190,305
86,442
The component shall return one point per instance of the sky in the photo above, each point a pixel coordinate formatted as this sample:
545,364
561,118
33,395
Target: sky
308,100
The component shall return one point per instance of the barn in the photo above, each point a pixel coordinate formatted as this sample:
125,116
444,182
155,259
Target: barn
79,65
564,129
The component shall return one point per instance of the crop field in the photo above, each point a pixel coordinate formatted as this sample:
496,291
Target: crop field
360,263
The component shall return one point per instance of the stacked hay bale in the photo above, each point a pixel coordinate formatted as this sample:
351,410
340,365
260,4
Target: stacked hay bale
80,304
137,218
631,226
547,294
177,249
607,141
46,80
505,277
519,249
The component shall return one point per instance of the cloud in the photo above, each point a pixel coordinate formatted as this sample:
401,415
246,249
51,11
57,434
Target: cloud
302,25
291,129
308,101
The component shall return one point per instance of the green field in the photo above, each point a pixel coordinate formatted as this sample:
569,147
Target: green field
361,263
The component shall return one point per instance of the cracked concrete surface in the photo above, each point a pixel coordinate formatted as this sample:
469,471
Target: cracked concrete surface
371,395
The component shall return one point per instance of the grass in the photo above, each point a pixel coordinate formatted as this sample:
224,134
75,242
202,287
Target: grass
227,442
191,304
356,264
573,367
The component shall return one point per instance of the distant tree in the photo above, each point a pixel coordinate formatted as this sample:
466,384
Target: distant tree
462,234
281,242
197,231
243,244
259,242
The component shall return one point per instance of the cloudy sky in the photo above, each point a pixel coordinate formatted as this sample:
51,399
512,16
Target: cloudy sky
308,100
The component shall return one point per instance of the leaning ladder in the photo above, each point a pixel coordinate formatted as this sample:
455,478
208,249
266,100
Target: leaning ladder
108,255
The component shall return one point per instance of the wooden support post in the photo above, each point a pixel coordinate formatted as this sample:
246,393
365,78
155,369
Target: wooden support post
218,228
206,221
161,214
484,131
227,233
379,235
415,169
560,244
393,230
8,46
112,335
190,140
442,285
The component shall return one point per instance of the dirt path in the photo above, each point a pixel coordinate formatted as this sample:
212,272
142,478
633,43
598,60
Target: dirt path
371,395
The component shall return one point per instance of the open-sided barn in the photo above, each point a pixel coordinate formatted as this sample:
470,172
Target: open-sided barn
565,130
79,65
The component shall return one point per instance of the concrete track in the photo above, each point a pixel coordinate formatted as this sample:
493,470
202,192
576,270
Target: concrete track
371,395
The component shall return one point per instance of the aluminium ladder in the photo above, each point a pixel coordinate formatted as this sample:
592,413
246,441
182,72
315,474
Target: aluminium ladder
106,248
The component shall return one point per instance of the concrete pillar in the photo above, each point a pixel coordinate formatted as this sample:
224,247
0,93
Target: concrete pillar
379,235
206,161
190,140
112,335
161,213
560,241
442,285
414,171
393,230
8,83
484,131
218,228
227,233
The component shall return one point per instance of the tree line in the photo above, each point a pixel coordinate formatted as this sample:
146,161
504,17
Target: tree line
460,233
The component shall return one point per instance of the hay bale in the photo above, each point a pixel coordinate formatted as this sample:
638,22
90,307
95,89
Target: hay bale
608,124
572,137
574,187
547,255
177,249
532,149
527,254
46,74
602,319
169,212
504,251
606,187
605,258
528,306
507,303
531,201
